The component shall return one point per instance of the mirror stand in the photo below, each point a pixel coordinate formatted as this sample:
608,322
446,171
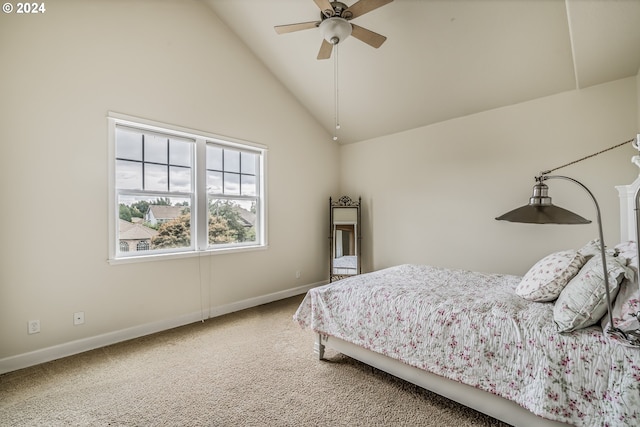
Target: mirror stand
344,238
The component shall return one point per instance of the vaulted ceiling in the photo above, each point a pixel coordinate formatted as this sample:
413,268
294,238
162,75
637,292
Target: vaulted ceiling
442,58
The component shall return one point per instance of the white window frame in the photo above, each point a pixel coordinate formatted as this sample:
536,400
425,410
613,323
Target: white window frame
199,198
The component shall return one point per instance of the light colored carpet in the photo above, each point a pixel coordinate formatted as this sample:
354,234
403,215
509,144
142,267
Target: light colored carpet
251,368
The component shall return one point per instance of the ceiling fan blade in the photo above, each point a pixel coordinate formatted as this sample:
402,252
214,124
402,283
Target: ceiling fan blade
289,28
367,36
325,7
361,7
325,50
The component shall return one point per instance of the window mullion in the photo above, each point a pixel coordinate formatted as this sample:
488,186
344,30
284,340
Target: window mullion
143,162
201,215
169,167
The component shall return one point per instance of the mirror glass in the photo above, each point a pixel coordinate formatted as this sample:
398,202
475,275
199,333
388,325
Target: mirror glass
345,258
345,238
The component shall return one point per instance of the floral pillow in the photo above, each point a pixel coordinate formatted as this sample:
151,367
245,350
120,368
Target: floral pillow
583,301
626,305
546,279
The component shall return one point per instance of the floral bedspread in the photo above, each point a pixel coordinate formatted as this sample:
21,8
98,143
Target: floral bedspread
471,327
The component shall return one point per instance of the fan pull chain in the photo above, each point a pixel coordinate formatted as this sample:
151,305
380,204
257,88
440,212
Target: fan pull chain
336,91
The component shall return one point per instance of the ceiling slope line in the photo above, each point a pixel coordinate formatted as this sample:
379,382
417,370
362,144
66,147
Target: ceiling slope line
571,42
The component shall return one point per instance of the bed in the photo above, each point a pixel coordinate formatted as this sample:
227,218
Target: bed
483,340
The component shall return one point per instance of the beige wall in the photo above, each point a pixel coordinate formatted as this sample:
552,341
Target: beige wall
172,62
430,195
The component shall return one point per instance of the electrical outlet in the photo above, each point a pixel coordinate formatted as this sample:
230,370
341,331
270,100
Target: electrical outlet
298,274
33,326
78,318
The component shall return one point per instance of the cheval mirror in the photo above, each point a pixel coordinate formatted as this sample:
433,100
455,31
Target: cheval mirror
344,238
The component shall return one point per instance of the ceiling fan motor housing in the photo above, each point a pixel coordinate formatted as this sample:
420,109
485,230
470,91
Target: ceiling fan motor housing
339,9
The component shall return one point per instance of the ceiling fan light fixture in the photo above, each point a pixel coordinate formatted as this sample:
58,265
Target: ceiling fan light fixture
334,30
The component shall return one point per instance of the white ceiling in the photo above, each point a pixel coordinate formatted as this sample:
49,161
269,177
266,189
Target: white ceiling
442,58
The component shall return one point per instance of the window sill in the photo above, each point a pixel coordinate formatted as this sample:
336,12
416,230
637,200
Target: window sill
189,254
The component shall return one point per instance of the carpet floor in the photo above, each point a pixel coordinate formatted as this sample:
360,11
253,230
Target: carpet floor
255,367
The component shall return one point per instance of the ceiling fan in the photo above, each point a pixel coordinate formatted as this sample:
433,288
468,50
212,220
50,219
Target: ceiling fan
335,26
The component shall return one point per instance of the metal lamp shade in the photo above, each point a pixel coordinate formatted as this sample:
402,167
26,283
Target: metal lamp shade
540,210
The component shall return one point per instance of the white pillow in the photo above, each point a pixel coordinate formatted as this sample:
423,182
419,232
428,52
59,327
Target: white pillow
629,250
590,249
546,279
583,301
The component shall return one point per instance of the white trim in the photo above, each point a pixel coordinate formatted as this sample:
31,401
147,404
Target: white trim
111,186
138,123
264,299
627,195
185,254
20,361
201,197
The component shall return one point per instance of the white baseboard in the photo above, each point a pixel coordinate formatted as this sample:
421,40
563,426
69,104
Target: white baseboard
20,361
264,299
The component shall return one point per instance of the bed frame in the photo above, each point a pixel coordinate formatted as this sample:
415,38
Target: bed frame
480,400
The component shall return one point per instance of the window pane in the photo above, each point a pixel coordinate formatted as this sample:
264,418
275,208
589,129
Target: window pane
231,221
153,224
214,182
128,144
155,177
180,152
128,175
231,160
155,149
179,179
214,157
248,163
231,184
248,185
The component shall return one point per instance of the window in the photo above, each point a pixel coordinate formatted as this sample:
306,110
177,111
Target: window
232,197
179,191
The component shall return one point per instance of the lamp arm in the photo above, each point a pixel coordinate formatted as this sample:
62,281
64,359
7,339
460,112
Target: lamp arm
543,177
637,228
